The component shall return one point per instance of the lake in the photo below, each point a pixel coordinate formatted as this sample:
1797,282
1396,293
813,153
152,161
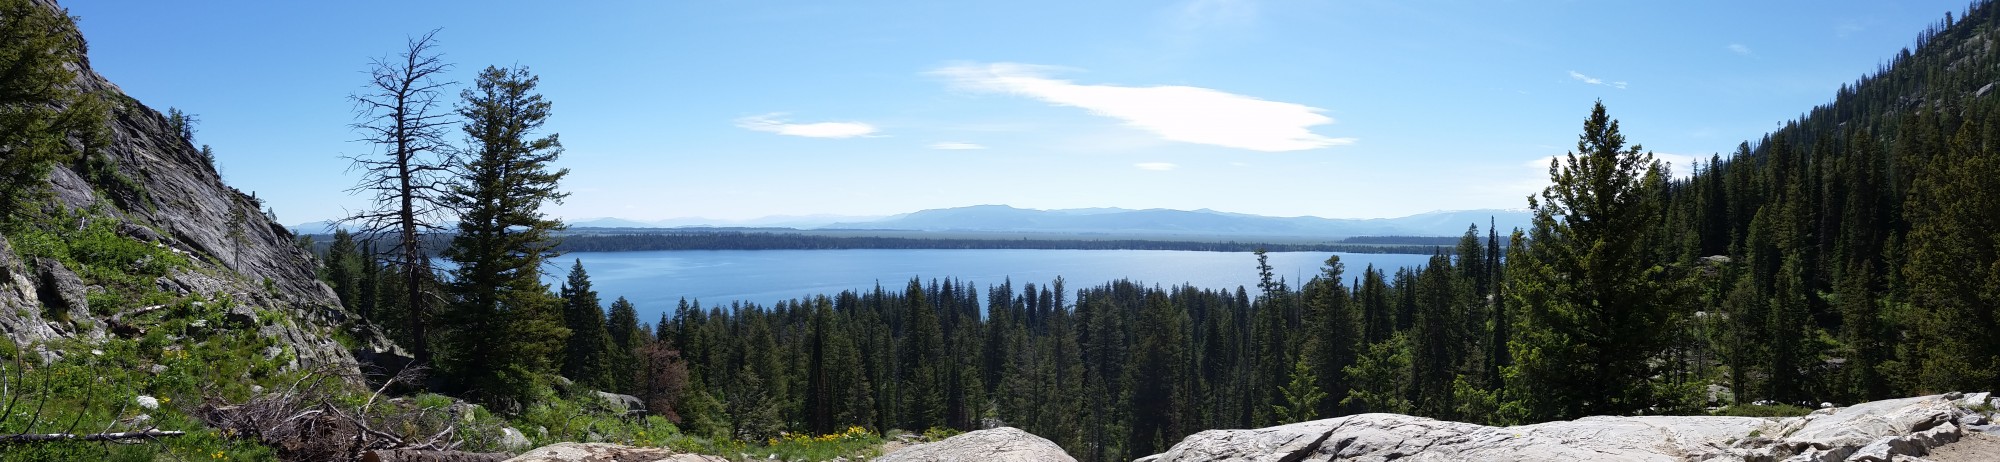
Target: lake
655,281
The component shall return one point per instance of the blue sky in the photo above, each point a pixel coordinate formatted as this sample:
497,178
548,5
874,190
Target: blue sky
738,110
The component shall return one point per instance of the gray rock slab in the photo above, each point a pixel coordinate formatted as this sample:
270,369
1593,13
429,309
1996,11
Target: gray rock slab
1004,444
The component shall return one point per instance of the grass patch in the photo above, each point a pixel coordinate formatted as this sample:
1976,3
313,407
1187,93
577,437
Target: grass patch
854,444
94,388
1756,410
92,248
579,415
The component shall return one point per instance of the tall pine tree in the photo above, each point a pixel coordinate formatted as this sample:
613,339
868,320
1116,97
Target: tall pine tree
586,356
506,329
1590,299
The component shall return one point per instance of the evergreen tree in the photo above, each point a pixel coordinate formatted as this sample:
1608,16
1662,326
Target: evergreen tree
1159,402
1592,302
1381,377
343,274
923,362
40,109
622,323
1435,341
1378,322
1335,339
506,328
1952,270
586,357
1302,395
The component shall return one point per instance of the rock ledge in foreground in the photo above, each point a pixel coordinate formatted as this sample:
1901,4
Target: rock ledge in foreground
1004,444
1876,431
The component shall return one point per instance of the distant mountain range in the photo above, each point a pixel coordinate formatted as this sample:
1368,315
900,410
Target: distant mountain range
1203,222
1098,221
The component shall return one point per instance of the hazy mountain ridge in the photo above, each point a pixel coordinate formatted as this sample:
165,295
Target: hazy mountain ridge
1203,221
1097,220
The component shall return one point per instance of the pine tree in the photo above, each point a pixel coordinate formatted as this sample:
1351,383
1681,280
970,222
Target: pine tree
923,362
1435,340
343,262
1378,322
40,109
622,323
506,328
1593,305
1302,395
586,356
1952,269
1381,377
1158,401
1336,337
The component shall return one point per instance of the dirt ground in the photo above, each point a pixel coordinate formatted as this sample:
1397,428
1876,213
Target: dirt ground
1973,447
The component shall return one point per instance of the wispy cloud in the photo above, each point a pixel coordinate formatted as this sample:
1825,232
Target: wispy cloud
1846,28
955,146
1199,14
1595,81
1739,48
1680,165
1156,166
1178,113
775,123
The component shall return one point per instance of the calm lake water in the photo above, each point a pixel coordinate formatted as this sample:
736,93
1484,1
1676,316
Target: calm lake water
655,281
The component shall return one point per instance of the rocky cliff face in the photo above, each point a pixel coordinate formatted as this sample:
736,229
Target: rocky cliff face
162,191
1877,431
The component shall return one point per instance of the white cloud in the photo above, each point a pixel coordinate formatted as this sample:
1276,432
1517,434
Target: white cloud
775,123
955,146
1178,113
1156,166
1682,165
1595,81
1585,78
1739,48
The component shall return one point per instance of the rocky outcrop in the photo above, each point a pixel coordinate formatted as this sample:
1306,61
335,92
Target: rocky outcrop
1881,431
1004,444
606,452
161,190
625,404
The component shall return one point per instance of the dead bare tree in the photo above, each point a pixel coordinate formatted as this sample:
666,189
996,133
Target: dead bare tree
407,176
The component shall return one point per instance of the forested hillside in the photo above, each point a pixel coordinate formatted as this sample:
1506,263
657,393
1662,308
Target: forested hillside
1861,243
